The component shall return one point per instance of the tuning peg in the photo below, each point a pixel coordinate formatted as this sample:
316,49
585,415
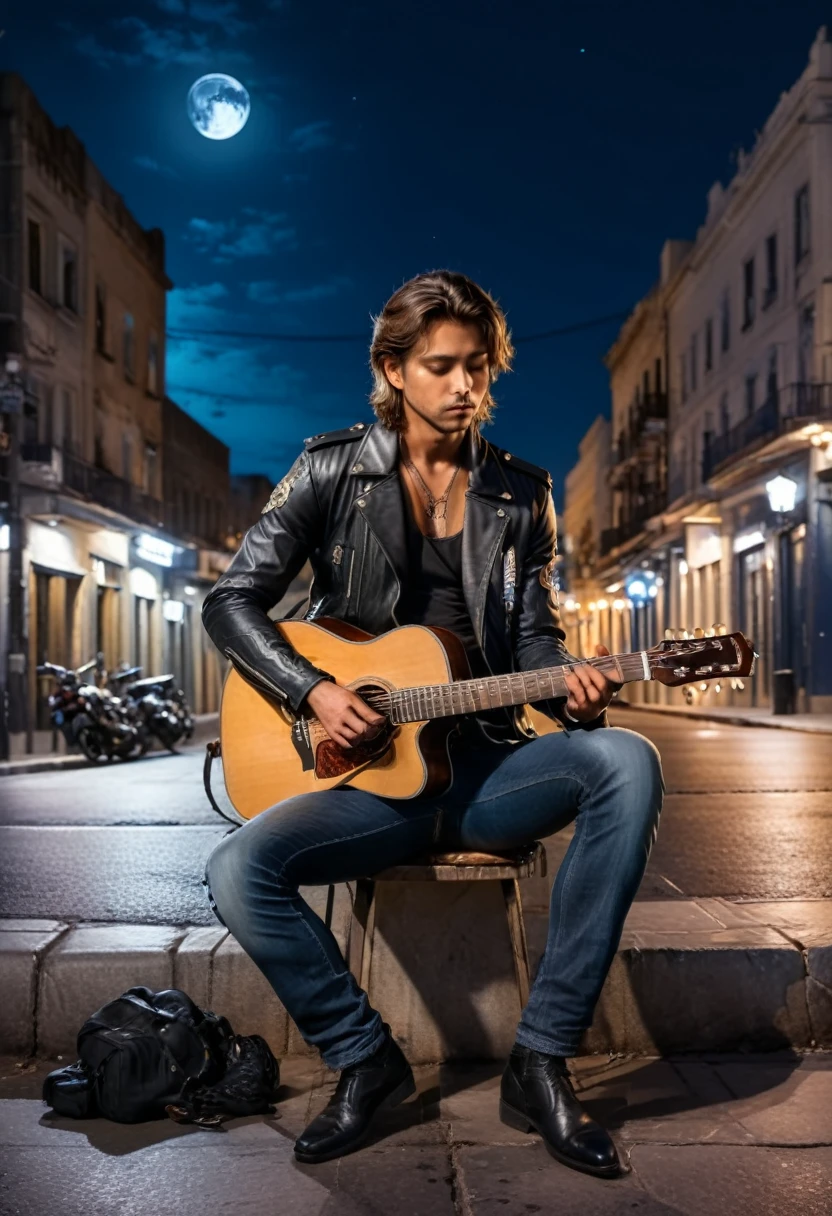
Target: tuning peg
699,632
719,629
703,687
669,635
717,687
709,633
740,685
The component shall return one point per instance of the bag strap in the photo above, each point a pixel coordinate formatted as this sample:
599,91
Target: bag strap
213,750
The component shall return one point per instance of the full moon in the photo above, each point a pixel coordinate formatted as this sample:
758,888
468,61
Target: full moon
218,106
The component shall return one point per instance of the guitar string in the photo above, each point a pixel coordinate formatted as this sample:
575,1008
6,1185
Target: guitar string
420,703
408,699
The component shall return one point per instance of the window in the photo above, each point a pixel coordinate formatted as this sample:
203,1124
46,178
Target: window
748,294
153,364
657,375
770,292
709,344
725,321
683,377
724,414
150,469
645,380
101,318
750,394
70,439
771,375
694,361
127,457
35,257
129,347
69,276
801,224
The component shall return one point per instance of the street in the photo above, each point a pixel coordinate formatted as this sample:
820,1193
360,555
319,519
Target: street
747,816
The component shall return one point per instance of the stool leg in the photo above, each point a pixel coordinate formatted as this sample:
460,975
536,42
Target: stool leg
361,910
330,900
517,933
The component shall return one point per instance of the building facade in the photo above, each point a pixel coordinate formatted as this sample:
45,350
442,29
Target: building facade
86,550
585,519
743,538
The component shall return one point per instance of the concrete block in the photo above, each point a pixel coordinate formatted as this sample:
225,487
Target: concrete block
806,921
23,945
702,995
93,964
442,973
193,962
240,992
819,1003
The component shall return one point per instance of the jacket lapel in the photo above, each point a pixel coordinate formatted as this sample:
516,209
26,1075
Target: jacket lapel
378,496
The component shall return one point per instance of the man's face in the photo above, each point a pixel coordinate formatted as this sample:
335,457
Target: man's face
445,378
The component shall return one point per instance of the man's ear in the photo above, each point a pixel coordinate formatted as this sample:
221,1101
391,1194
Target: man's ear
392,371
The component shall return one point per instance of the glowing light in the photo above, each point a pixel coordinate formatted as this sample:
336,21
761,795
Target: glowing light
4,537
592,606
748,540
683,567
569,605
618,605
653,591
154,549
602,604
218,106
173,610
782,492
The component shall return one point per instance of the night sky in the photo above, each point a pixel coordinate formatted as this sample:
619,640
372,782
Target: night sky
546,150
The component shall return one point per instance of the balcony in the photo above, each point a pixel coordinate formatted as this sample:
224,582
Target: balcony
648,417
613,538
786,410
52,468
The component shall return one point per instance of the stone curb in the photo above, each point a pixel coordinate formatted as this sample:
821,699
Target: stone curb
781,722
690,975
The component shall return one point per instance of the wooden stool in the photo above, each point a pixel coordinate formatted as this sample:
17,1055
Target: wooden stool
508,868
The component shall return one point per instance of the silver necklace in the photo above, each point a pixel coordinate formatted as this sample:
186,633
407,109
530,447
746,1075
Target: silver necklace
432,504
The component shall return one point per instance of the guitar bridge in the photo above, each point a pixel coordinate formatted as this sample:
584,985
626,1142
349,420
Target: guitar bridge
302,743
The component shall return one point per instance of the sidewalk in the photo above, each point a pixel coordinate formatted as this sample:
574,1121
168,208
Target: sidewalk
740,1134
820,724
206,726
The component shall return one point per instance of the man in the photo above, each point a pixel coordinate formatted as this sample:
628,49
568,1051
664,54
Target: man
417,519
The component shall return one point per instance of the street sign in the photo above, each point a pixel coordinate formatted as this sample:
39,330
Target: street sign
11,400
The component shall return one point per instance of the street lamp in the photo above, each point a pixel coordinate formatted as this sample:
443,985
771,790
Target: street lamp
782,492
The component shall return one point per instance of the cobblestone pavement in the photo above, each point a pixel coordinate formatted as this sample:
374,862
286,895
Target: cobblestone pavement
749,1135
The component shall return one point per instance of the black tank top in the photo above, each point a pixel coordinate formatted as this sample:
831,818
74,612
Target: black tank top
432,595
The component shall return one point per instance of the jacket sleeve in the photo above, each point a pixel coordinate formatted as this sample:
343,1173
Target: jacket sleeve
540,639
272,553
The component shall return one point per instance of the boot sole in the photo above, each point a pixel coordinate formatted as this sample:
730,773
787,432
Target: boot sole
402,1091
522,1123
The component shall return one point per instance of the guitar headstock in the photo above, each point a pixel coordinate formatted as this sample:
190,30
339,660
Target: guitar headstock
682,660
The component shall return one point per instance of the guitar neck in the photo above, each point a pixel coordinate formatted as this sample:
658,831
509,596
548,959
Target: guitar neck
421,703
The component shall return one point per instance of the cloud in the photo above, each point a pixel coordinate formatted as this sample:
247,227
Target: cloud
200,305
313,136
153,166
132,41
268,291
257,234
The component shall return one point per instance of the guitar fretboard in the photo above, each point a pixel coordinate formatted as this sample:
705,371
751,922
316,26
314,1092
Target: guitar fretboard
424,702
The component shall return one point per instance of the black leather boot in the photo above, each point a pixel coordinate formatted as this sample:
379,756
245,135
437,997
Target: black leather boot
536,1092
383,1079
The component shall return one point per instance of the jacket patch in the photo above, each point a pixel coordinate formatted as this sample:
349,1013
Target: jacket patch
283,488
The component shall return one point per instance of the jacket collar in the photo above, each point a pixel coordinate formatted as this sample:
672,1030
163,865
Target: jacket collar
378,455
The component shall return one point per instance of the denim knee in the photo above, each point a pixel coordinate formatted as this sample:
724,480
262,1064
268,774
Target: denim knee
631,762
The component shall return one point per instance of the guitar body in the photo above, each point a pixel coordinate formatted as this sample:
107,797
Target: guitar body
264,763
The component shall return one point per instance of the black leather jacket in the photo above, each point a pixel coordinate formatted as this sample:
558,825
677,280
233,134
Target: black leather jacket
340,505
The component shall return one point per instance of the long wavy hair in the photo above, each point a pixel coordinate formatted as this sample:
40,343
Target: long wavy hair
421,302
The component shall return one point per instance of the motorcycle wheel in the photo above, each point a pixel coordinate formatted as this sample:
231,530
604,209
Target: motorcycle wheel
91,744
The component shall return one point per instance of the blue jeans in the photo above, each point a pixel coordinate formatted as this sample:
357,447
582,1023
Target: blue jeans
607,780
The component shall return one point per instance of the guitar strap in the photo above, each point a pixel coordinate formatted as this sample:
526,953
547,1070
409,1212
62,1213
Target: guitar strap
212,751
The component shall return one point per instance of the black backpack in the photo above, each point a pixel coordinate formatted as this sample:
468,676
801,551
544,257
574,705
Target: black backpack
151,1054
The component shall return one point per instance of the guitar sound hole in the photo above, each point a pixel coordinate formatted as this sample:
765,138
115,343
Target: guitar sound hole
376,696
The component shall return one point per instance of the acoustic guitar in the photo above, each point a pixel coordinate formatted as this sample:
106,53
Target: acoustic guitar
418,677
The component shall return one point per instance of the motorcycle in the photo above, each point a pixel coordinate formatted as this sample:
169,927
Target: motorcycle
162,709
91,718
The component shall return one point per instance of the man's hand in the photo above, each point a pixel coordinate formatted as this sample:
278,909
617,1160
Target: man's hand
590,691
346,718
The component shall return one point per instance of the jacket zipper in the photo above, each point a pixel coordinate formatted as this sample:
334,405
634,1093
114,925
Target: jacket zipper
257,677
